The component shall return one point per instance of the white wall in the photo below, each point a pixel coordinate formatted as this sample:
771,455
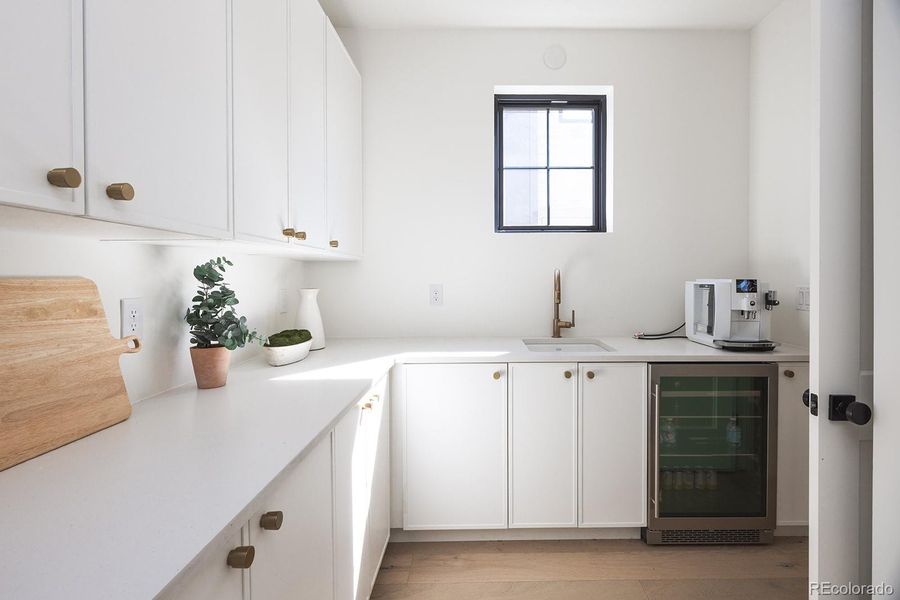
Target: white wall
780,97
39,244
681,143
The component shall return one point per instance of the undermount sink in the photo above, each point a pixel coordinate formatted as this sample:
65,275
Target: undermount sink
582,345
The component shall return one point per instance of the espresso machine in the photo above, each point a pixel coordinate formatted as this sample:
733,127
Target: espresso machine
732,314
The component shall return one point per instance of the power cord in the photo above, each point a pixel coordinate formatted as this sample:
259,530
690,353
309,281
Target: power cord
640,335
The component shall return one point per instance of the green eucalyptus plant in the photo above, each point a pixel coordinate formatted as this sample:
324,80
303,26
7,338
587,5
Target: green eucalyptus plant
211,317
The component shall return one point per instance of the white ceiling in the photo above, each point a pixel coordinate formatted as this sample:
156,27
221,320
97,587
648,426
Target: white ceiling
582,14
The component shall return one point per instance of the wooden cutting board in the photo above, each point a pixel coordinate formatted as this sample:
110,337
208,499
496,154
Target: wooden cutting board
59,366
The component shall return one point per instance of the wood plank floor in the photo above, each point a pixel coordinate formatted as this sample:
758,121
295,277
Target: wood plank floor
592,570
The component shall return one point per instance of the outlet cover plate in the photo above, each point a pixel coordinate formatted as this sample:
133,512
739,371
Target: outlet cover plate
131,317
436,294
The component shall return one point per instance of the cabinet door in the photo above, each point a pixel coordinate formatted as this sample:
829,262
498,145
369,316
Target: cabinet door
378,455
613,432
792,506
543,444
344,147
455,451
307,122
260,92
41,124
210,578
351,503
295,560
156,113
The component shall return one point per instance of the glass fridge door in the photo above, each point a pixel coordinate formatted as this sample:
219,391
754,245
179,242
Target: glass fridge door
712,445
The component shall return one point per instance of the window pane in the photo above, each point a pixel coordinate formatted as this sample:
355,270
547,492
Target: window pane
525,197
572,197
571,138
524,137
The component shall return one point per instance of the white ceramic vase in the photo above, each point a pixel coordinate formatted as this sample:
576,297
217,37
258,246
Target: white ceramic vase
309,317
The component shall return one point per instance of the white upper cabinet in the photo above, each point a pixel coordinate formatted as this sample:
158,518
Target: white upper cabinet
307,123
543,444
344,148
260,97
156,115
41,87
613,465
456,447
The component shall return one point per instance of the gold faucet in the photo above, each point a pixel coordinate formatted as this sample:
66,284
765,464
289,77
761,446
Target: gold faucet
557,324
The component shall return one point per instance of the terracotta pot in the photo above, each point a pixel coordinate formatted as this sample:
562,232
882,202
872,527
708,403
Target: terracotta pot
210,366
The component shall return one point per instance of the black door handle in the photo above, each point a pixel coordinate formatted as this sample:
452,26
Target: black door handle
812,403
844,407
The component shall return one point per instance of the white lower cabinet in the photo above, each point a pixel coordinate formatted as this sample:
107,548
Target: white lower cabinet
361,495
320,529
210,577
793,445
455,447
543,444
292,532
613,430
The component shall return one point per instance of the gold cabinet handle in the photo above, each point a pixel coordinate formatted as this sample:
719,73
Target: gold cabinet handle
272,520
789,374
568,374
590,374
241,557
333,243
120,191
287,232
367,405
300,235
66,177
497,374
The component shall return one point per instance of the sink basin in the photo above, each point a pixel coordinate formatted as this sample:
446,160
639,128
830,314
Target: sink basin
574,345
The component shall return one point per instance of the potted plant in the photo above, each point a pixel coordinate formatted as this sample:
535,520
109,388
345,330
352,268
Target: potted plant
288,346
216,329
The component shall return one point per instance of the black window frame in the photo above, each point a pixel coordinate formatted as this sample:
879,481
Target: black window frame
551,101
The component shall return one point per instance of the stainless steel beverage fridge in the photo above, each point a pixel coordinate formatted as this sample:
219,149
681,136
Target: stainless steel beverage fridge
712,453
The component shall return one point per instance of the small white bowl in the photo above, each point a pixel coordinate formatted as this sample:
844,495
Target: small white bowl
278,356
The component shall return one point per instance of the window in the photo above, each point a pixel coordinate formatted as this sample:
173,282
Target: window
550,159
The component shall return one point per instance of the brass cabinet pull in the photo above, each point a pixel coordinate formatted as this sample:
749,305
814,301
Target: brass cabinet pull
287,232
788,373
272,520
241,557
496,374
367,405
120,191
568,374
333,243
590,374
300,235
67,177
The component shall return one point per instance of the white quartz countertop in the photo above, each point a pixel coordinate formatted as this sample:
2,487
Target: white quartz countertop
120,513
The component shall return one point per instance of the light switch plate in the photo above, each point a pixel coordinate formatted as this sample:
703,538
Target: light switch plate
131,317
803,298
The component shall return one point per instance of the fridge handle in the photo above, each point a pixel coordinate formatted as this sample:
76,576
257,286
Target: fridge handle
654,443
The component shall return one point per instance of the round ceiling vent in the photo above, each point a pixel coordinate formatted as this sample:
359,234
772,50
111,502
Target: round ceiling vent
555,57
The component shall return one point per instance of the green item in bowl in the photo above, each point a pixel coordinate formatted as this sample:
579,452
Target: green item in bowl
289,337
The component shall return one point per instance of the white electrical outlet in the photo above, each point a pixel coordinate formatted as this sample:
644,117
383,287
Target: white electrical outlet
282,301
132,317
436,294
